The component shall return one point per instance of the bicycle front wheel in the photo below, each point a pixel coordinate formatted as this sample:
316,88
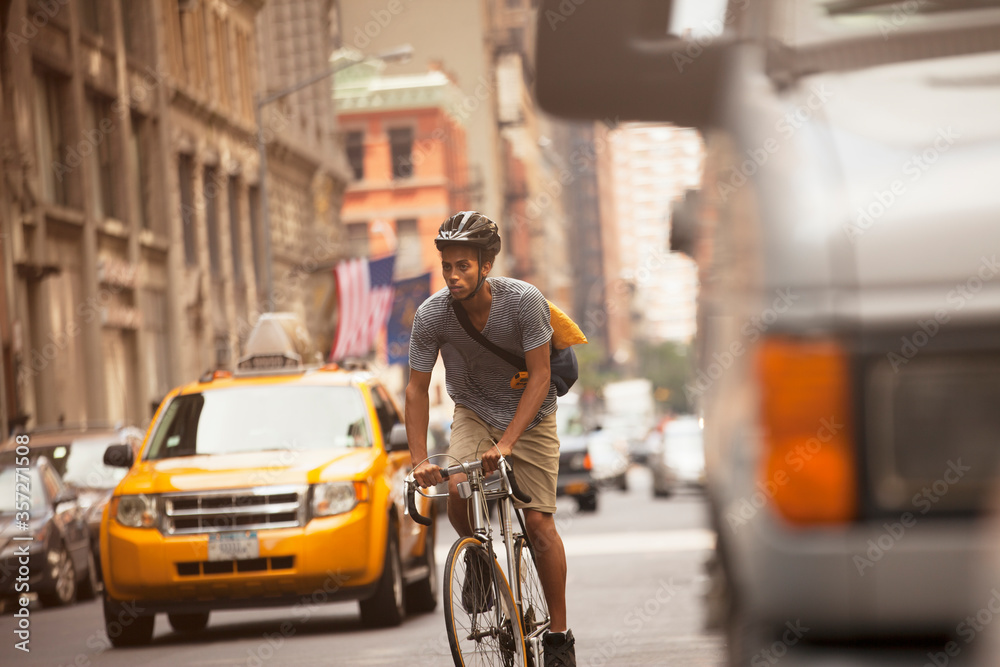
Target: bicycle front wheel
534,609
483,623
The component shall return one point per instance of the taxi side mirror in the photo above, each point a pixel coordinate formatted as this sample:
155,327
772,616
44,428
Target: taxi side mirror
397,439
119,456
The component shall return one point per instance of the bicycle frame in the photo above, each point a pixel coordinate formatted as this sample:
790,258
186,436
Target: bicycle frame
478,491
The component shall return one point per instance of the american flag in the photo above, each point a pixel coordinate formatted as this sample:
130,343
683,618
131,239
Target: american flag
364,294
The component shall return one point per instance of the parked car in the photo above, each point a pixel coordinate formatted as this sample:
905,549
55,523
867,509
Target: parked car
678,460
261,487
77,454
575,477
60,561
609,457
849,309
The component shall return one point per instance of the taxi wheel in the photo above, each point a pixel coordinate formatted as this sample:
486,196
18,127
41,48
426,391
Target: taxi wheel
124,626
421,596
387,607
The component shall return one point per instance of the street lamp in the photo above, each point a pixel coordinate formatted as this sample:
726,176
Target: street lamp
400,53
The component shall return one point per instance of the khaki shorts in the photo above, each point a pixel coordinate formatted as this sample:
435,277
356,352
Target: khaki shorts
535,458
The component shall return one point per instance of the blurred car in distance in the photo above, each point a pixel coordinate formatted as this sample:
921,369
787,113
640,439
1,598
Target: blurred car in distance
609,457
261,486
849,301
77,454
60,559
575,476
678,460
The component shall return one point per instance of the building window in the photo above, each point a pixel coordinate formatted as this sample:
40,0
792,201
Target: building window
140,177
354,143
409,261
222,61
401,145
235,231
55,170
253,206
90,16
357,239
185,178
210,194
135,29
102,129
154,319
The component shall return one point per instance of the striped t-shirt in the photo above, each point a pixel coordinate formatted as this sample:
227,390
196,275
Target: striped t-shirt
474,376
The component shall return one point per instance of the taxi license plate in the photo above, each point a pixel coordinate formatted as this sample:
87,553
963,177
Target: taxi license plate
233,546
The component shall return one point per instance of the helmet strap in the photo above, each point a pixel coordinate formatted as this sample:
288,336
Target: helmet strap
482,278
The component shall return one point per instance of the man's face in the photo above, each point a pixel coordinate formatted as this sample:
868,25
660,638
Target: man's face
460,268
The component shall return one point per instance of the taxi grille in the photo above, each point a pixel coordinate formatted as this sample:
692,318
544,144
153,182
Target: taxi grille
234,509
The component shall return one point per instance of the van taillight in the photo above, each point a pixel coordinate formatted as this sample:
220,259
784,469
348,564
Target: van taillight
808,463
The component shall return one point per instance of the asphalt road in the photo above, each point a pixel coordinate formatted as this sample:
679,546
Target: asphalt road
635,587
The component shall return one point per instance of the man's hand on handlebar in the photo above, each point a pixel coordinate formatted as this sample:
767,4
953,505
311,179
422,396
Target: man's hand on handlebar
427,474
491,458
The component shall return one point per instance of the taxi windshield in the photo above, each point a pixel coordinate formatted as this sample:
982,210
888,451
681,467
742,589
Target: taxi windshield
257,419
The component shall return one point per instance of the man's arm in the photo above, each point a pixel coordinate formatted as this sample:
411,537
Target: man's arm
417,414
539,377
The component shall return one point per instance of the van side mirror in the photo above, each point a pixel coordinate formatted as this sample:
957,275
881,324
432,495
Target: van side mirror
684,224
119,456
613,59
397,439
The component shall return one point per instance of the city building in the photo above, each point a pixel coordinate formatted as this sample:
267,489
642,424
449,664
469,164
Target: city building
455,37
647,168
130,198
407,151
409,170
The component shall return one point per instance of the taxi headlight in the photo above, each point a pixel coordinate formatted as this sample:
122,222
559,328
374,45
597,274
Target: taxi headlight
136,511
333,498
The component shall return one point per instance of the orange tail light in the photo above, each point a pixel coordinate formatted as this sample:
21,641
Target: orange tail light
586,462
808,466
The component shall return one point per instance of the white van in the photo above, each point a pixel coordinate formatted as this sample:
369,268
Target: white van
848,238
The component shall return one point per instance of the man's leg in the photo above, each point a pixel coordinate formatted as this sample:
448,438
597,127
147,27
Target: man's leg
551,559
458,507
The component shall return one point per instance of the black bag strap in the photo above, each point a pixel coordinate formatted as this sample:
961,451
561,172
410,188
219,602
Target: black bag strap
511,358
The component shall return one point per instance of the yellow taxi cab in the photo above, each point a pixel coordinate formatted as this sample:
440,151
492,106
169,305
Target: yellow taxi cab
273,485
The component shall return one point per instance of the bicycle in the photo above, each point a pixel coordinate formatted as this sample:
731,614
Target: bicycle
487,622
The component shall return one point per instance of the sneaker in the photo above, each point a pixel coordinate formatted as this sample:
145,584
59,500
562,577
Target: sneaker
477,593
560,649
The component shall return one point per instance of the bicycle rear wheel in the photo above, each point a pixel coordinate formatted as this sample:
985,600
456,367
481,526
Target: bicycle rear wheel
483,624
534,609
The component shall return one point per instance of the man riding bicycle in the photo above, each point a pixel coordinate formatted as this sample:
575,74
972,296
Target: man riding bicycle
490,407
